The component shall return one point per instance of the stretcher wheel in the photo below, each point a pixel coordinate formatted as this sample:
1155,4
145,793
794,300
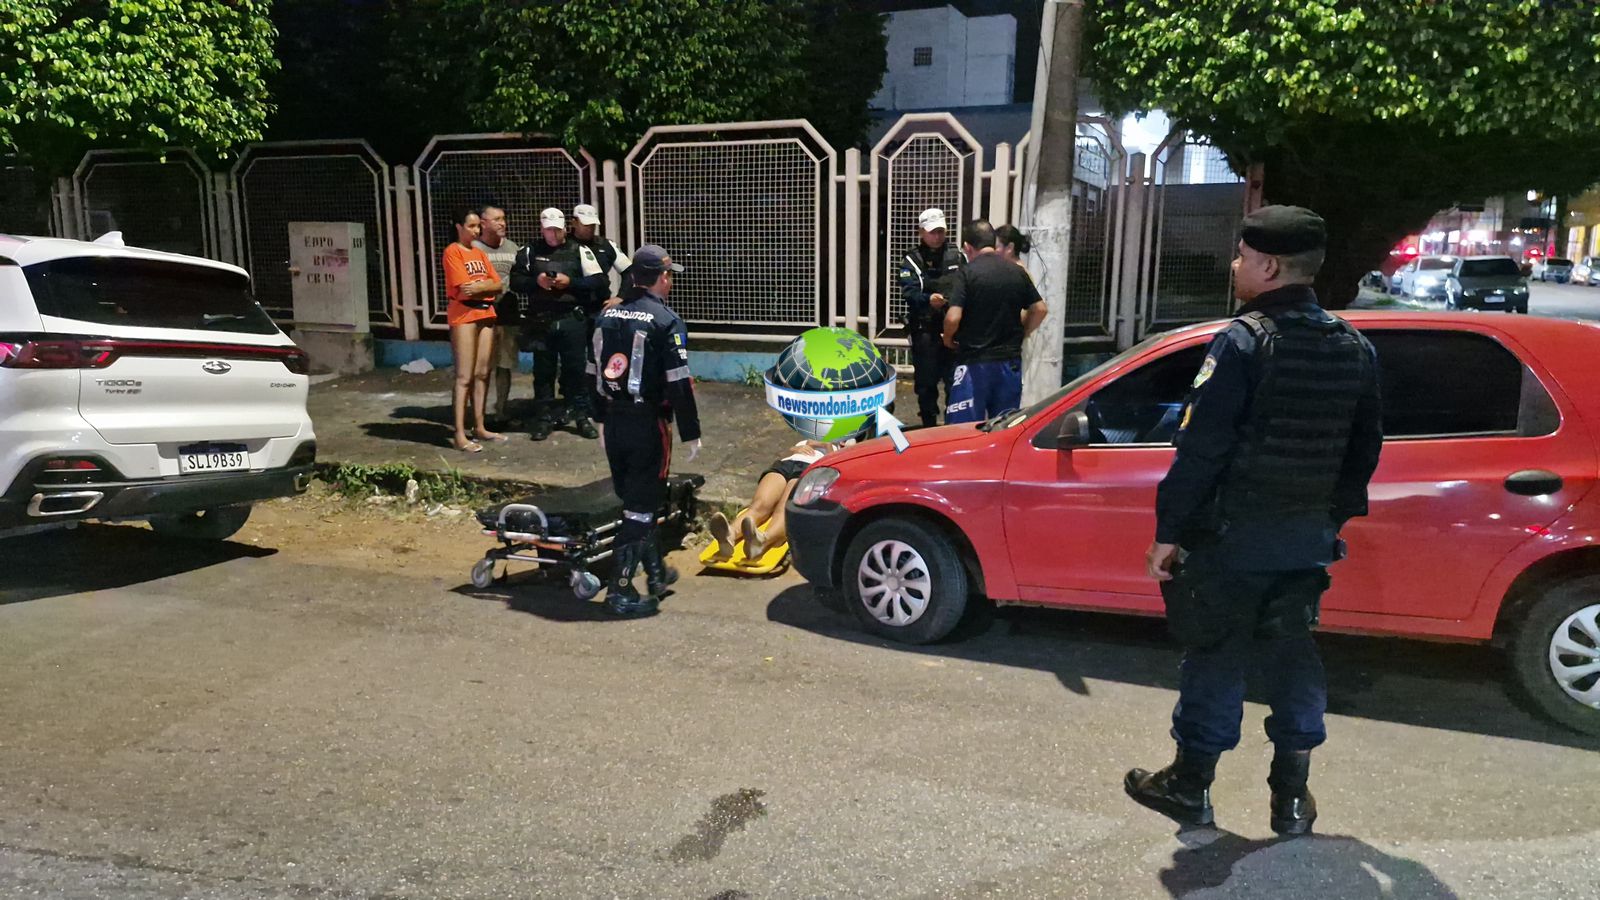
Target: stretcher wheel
585,585
483,573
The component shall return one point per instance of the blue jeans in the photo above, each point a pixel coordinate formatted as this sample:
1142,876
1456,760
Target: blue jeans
979,390
1230,622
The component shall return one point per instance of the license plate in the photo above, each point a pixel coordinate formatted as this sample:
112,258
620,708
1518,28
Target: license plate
212,458
1494,298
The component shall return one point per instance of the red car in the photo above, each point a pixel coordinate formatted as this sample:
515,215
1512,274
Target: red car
1484,524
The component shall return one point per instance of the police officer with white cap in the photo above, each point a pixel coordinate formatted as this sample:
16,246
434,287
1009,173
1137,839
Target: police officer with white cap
598,258
555,327
925,273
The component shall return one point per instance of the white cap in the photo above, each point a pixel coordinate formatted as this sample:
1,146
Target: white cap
586,214
931,220
553,218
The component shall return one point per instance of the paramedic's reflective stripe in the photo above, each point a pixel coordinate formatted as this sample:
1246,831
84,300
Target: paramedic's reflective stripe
636,365
596,364
830,404
678,374
911,261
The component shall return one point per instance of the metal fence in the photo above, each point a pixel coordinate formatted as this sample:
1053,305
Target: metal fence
746,209
163,203
1096,186
521,175
778,231
925,161
1198,207
312,181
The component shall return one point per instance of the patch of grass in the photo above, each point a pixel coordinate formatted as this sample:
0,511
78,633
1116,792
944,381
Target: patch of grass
451,487
751,375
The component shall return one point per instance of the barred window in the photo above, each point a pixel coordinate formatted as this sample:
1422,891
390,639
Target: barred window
922,56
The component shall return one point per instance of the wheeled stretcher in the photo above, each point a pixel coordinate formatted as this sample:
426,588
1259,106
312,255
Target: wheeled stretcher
569,532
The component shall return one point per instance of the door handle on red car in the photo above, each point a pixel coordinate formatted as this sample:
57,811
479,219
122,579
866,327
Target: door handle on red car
1533,482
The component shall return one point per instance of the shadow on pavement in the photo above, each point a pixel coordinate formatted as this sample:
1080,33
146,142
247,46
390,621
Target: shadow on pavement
101,557
1216,863
547,597
1458,687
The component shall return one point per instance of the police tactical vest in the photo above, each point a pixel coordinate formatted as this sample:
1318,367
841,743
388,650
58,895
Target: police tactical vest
1310,374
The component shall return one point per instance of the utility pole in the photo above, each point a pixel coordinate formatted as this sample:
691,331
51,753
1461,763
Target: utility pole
1048,176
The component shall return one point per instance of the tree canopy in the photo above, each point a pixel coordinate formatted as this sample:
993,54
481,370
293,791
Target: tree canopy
1376,115
132,73
396,72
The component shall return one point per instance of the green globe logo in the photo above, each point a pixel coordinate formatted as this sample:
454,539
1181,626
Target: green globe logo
829,383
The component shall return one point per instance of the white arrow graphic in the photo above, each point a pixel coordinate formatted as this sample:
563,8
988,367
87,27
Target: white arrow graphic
889,425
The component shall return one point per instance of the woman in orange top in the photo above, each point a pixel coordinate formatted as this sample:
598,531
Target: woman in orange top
471,284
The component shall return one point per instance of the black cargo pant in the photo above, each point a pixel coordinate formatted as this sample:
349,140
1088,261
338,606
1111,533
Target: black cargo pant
560,345
1230,621
930,363
639,451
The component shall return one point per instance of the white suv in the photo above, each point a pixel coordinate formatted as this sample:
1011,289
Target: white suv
136,384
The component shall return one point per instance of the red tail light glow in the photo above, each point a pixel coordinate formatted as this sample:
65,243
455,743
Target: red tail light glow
29,352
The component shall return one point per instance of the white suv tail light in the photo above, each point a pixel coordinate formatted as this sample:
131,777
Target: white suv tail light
27,352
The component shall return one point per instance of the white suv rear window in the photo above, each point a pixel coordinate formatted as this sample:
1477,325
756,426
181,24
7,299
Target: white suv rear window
146,294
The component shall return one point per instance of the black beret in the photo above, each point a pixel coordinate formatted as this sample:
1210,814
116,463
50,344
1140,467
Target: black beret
1284,230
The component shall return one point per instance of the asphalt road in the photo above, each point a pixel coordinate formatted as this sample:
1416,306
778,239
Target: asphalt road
1568,301
325,711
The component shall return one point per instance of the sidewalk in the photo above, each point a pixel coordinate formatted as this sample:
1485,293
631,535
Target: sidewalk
390,416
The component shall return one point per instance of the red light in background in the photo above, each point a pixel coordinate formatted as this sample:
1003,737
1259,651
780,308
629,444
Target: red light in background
1411,251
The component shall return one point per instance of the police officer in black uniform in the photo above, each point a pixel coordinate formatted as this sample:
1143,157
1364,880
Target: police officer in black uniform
554,326
925,273
641,382
1279,438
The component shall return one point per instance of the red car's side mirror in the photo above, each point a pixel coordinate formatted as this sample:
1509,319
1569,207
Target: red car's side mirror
1074,431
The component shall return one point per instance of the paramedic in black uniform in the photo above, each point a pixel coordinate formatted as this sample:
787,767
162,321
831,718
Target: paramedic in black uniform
641,383
1279,438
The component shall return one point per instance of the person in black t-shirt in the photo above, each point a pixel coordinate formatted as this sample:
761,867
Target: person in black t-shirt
993,308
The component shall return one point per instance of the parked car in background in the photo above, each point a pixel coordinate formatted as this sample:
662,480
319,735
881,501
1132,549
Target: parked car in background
1484,523
1422,278
1587,271
1487,283
137,384
1553,269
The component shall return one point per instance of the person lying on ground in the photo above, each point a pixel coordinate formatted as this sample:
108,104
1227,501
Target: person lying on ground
763,525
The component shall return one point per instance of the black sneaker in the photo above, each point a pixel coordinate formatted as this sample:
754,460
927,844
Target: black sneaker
541,429
585,428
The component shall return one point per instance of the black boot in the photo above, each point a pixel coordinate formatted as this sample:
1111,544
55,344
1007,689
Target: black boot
1293,808
584,426
622,598
541,428
1181,791
658,575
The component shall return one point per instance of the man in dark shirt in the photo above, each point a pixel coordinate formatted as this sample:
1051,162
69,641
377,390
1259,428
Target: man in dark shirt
993,308
1279,438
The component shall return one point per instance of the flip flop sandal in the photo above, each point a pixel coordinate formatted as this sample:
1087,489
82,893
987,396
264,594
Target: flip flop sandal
471,447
